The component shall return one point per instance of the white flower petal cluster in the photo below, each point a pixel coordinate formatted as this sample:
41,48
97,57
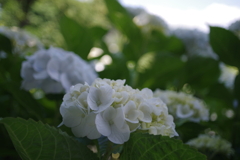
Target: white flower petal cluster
211,143
196,42
228,75
112,109
235,27
54,71
147,21
23,42
184,106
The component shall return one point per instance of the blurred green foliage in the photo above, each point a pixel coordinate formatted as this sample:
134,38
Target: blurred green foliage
146,57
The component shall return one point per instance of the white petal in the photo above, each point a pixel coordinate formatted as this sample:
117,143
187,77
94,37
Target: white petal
26,70
153,130
146,110
102,125
133,126
109,114
119,119
87,128
79,131
53,69
181,109
51,86
93,98
147,93
72,116
119,136
91,129
40,75
131,112
100,99
41,61
27,85
65,82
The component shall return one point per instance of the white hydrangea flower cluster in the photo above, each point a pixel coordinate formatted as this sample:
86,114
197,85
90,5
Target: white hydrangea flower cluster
196,42
23,41
147,21
211,143
235,27
112,109
183,106
228,75
54,71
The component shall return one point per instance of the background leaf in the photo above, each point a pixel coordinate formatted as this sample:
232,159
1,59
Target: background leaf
145,146
202,72
76,37
124,23
226,44
157,70
35,140
25,99
6,44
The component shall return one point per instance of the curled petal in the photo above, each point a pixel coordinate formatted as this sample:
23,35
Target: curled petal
100,98
146,111
72,116
184,111
87,127
53,69
119,135
103,126
131,112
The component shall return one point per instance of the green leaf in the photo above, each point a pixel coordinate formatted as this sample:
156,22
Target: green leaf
202,72
117,70
25,99
145,146
237,87
6,44
35,140
158,41
78,38
124,23
156,70
97,32
190,130
226,44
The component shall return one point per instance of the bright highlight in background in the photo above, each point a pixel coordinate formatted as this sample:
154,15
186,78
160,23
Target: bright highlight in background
191,14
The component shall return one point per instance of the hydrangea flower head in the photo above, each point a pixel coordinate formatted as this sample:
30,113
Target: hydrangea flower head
211,143
54,71
112,109
235,27
196,42
184,106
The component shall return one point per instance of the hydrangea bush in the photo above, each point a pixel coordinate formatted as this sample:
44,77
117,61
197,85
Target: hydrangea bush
112,109
54,70
184,106
212,143
196,42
